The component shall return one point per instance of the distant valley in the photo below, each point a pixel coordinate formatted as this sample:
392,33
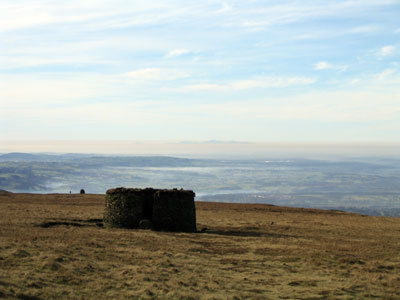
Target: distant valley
368,185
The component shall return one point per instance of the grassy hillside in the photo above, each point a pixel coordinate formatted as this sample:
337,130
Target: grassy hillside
53,246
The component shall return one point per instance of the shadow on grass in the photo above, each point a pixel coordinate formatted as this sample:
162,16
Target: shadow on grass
99,223
72,222
246,233
27,297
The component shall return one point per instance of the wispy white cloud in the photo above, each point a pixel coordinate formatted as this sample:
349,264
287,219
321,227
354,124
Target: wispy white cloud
226,7
336,32
94,60
64,102
23,15
336,107
386,79
118,14
156,74
386,51
14,16
383,81
323,65
354,81
372,28
385,74
177,52
293,12
26,61
341,106
52,89
271,82
93,50
92,16
114,112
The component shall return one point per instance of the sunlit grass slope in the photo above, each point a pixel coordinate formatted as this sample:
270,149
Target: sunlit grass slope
53,246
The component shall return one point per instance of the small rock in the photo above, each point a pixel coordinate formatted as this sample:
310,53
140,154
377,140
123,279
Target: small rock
204,229
145,224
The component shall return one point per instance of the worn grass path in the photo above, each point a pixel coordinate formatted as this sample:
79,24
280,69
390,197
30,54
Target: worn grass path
53,247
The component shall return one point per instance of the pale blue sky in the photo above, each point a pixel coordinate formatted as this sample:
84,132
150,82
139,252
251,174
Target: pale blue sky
262,71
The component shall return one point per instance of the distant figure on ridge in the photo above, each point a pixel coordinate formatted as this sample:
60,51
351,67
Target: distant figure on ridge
82,191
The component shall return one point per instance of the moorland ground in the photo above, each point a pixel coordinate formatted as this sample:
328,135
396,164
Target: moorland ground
54,247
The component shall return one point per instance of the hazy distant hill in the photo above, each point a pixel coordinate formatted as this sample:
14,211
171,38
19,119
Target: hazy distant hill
18,156
106,160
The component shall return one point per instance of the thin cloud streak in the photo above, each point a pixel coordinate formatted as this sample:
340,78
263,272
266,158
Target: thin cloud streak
253,83
25,14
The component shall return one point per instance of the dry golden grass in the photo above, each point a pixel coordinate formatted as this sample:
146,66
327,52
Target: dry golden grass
51,246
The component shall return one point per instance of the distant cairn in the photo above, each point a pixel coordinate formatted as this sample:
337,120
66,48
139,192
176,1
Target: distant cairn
158,209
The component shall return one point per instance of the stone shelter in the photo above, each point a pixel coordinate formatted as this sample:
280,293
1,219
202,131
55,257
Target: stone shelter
158,209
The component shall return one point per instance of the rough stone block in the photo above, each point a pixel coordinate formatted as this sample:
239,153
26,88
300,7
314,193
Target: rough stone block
124,207
174,210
